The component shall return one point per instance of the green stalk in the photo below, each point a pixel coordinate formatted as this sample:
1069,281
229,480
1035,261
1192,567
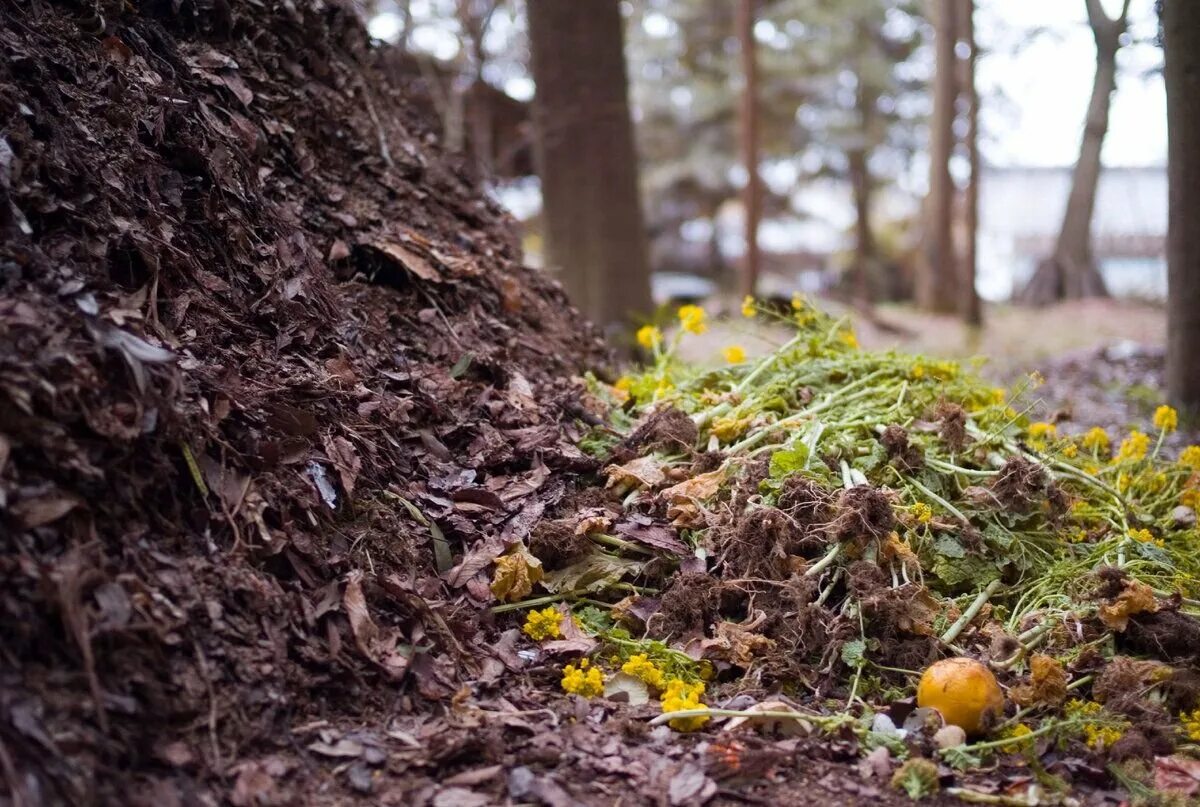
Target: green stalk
952,633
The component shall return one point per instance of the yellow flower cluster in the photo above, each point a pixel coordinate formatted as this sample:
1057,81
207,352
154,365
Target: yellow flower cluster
1145,537
541,625
1190,458
1042,431
734,354
1015,735
1096,734
622,387
1096,439
1166,419
1190,498
584,680
691,318
641,667
649,337
749,309
849,339
922,512
1191,724
679,696
1133,447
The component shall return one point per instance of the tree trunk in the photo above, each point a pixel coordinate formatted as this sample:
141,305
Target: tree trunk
971,306
1181,43
592,216
857,157
937,281
748,114
1071,272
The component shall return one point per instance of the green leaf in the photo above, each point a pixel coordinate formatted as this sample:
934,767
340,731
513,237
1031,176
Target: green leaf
948,546
854,653
788,461
460,366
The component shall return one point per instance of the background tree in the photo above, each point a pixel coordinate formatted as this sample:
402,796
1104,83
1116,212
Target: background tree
971,307
748,135
937,280
1181,45
592,215
1071,272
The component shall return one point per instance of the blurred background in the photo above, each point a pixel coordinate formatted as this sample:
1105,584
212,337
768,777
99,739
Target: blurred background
935,166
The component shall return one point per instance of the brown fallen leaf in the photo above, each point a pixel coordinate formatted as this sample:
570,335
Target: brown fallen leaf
1135,598
410,260
384,647
1047,684
43,510
642,472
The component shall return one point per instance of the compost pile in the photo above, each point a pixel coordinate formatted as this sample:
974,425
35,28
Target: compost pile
266,360
789,543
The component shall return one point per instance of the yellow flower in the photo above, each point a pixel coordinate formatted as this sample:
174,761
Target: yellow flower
1133,447
649,337
541,625
1042,431
797,302
1096,439
621,388
917,371
1079,536
1070,450
849,339
734,354
1190,498
584,680
749,309
691,317
999,394
922,512
1145,537
1102,736
681,696
1190,457
641,667
1014,734
1191,724
1166,419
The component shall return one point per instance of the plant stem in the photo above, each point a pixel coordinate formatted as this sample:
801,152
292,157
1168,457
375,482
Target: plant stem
952,633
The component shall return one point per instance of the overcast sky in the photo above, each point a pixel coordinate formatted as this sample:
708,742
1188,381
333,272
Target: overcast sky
1046,81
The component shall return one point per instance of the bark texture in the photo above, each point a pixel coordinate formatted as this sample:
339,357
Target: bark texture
1071,272
937,279
971,306
1181,43
592,216
752,193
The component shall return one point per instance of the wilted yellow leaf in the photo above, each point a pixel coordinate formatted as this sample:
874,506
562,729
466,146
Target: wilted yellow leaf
515,575
641,472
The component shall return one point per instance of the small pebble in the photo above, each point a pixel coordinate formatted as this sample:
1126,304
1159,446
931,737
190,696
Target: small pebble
949,737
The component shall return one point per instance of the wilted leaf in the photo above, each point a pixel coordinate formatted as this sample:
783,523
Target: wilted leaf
1177,774
737,644
595,572
1135,598
38,512
701,486
643,472
381,646
515,575
1047,683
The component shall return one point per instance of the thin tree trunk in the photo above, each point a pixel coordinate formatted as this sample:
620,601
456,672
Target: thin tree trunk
752,193
862,189
1071,272
937,282
592,216
971,306
1181,43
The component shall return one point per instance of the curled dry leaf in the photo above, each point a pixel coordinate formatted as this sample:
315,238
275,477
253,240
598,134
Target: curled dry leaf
1135,598
1047,684
379,645
643,472
515,575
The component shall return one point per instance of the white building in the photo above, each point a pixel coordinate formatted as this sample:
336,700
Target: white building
1021,209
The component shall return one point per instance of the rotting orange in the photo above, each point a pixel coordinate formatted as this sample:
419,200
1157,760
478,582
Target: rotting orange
964,691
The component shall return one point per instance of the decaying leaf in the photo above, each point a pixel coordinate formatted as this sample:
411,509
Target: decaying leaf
737,643
515,575
643,472
382,646
1047,684
683,500
1177,774
1135,598
624,688
597,571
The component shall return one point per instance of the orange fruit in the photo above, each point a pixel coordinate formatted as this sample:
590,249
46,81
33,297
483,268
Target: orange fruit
965,693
